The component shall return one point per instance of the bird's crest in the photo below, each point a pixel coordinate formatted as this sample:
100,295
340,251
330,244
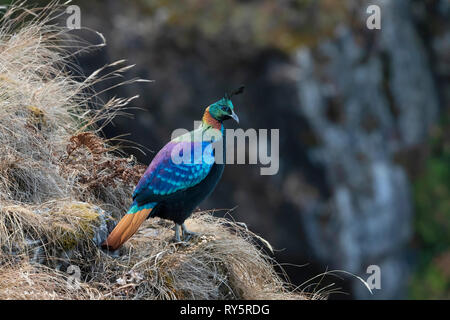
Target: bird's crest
240,90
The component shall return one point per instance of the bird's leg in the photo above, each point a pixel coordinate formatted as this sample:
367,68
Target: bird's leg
188,234
177,233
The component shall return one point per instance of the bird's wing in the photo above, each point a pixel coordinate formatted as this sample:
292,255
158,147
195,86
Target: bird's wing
165,175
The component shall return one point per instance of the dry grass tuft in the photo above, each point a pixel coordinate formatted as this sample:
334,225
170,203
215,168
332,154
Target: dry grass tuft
48,117
27,282
222,263
61,184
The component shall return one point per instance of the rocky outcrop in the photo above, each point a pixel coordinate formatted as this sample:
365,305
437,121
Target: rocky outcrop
372,99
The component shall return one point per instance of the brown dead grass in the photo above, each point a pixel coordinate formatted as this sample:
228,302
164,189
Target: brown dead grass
28,282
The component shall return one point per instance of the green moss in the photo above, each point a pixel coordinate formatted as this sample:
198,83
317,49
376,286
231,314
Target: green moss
430,283
74,223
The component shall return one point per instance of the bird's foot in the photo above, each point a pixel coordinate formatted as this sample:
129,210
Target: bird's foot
187,235
177,239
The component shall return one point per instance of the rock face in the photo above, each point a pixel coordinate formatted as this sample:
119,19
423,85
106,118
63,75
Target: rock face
367,106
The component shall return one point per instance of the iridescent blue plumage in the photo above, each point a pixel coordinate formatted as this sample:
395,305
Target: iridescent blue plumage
166,176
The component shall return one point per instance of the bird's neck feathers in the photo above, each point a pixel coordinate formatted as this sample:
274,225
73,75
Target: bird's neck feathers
209,121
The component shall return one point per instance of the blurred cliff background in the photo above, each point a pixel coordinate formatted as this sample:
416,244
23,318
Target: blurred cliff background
364,119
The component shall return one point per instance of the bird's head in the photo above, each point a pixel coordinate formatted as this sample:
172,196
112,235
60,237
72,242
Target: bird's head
223,109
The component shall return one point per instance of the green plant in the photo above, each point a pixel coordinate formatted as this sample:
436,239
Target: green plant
432,221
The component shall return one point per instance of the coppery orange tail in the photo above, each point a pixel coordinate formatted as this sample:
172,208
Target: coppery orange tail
126,227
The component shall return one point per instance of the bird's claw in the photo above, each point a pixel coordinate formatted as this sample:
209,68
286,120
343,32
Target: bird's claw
188,235
185,233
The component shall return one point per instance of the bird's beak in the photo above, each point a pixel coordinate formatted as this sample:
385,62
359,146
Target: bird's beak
235,117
